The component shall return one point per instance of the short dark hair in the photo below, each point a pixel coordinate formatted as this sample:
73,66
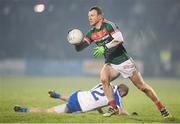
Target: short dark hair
124,88
98,9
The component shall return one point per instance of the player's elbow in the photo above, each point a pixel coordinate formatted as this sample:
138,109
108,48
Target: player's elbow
119,41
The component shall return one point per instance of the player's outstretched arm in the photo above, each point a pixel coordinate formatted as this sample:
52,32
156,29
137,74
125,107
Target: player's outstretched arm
100,110
56,95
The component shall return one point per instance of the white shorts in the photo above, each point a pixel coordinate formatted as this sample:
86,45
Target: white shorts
126,68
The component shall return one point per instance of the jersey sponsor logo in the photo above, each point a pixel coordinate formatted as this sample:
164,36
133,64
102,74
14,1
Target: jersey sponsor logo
100,34
102,41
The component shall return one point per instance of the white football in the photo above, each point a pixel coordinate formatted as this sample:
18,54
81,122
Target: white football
75,36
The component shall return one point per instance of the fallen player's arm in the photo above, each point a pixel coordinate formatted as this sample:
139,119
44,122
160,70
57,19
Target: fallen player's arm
122,111
56,95
64,98
100,110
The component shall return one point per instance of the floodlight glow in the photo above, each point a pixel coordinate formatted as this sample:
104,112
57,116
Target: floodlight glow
39,8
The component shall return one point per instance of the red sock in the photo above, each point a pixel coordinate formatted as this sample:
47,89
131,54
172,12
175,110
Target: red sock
159,105
112,103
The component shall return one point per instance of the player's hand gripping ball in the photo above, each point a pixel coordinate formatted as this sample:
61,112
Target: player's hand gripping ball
75,36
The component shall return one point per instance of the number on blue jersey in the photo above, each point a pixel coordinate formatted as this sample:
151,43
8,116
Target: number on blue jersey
97,92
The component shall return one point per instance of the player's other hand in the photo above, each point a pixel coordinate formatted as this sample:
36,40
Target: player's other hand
54,94
98,51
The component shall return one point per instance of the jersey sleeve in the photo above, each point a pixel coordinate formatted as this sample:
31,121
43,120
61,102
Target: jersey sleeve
97,86
118,98
87,38
114,31
112,28
84,43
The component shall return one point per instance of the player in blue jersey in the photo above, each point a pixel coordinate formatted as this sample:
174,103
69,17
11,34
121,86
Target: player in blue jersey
83,101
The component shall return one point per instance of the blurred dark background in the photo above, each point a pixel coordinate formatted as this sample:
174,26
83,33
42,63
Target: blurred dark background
33,36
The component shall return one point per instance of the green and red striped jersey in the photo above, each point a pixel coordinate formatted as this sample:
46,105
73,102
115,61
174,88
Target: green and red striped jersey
104,35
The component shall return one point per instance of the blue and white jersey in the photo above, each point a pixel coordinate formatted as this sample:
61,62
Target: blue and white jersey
95,98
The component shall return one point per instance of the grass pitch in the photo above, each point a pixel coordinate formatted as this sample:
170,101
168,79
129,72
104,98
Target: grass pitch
32,92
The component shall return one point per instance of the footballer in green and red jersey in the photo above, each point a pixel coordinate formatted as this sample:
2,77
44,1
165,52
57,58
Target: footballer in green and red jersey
107,32
109,41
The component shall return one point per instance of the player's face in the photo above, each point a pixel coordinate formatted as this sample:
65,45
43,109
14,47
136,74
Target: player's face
121,92
93,17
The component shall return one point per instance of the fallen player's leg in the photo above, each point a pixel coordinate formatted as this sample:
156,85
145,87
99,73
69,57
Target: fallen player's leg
57,109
